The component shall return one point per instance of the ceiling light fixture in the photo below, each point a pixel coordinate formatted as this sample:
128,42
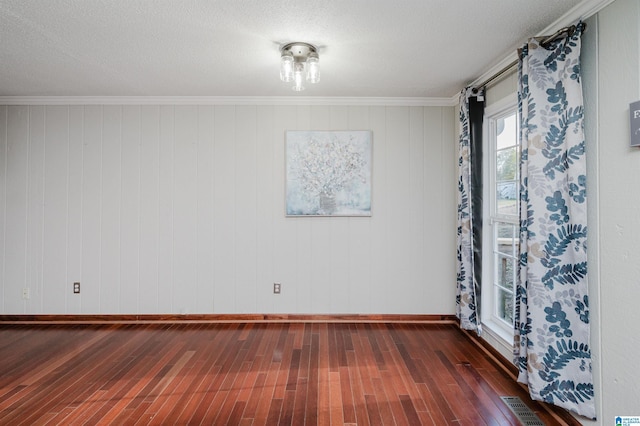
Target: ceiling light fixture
299,61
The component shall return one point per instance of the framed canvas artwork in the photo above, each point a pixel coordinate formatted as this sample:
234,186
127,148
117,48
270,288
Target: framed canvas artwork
328,173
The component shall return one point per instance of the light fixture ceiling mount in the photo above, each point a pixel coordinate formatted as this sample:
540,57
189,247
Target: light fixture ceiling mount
298,60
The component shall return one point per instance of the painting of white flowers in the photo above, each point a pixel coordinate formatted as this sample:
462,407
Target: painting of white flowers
328,173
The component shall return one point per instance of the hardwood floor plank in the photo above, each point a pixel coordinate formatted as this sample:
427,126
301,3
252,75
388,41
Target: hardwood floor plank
283,370
357,390
324,417
254,395
426,419
263,410
274,412
286,415
225,409
435,413
348,406
279,349
236,414
294,367
137,416
31,344
187,388
409,410
313,386
158,397
391,390
366,368
483,388
146,376
335,399
218,409
45,369
264,343
223,361
402,372
171,409
118,385
297,330
490,417
335,347
376,350
300,407
373,411
253,374
386,414
9,392
69,378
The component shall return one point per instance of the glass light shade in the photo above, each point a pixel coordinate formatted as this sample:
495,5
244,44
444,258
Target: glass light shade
313,68
286,66
299,70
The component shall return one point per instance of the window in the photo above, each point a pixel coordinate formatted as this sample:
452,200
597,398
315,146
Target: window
501,217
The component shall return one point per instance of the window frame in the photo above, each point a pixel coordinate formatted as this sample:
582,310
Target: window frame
499,110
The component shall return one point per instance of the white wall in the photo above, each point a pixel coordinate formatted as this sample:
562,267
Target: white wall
180,209
589,65
611,82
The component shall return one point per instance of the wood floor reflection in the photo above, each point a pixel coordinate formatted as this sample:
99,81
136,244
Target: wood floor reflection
251,374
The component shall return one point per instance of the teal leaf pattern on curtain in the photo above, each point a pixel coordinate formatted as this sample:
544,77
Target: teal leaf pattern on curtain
465,290
552,349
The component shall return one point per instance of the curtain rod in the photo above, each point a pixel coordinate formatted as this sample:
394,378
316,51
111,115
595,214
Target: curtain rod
544,41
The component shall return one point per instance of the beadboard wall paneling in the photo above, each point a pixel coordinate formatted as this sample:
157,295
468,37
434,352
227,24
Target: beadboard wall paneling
617,81
3,195
179,209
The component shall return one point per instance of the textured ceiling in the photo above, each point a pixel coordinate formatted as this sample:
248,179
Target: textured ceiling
381,48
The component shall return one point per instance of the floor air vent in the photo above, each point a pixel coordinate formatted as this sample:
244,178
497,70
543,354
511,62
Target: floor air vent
522,412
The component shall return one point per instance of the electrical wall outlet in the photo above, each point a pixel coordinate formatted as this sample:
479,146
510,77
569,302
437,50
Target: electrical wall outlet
76,288
276,288
26,293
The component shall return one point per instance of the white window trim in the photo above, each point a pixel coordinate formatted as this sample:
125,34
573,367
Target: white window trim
497,328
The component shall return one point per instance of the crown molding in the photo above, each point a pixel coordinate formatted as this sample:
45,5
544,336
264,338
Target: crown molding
226,100
581,11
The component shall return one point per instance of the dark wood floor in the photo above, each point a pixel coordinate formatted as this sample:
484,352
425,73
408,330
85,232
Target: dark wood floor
251,374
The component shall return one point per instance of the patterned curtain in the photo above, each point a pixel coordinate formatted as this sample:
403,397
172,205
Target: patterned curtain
467,293
552,305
